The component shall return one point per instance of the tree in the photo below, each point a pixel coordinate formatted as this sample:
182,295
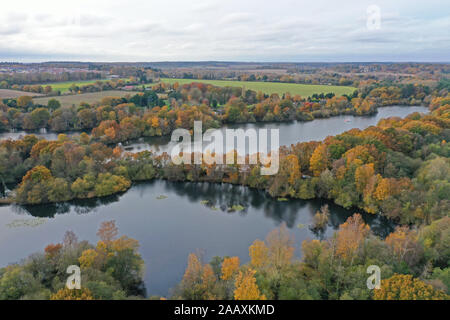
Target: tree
259,254
59,190
108,183
363,175
24,101
87,258
35,186
280,245
52,250
321,217
319,159
108,231
15,282
192,286
53,104
229,267
405,287
246,287
72,294
350,236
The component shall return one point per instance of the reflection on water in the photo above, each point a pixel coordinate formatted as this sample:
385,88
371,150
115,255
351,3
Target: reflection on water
170,228
189,216
42,133
290,132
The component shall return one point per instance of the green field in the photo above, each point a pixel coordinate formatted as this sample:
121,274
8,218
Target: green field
65,85
304,90
90,97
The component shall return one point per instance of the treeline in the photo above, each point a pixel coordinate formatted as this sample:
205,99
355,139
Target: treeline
413,265
150,113
99,85
11,80
348,74
110,270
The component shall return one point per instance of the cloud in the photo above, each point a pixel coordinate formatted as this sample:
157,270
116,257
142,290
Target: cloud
290,30
236,17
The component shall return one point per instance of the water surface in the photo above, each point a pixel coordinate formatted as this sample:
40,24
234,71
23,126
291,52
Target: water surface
169,229
290,132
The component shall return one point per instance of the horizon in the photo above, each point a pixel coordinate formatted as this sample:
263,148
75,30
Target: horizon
230,61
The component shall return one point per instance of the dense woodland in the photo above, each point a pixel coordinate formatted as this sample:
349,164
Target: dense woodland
399,169
111,269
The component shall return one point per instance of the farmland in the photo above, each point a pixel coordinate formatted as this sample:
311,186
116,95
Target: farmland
91,97
271,87
65,85
8,93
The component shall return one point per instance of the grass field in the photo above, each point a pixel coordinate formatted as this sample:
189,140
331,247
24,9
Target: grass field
10,94
64,86
304,90
91,97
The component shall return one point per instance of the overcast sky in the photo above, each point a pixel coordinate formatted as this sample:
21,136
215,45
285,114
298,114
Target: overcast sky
231,30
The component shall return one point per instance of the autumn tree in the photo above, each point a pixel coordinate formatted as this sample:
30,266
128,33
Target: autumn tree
246,287
229,267
405,287
198,281
259,254
108,231
319,159
24,101
363,175
280,247
72,294
350,237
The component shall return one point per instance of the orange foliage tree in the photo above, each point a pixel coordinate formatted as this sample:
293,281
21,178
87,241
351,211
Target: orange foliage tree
350,236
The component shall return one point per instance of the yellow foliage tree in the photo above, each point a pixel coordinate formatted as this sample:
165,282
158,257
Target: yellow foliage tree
363,175
229,267
259,254
72,294
293,168
319,159
246,287
405,287
88,258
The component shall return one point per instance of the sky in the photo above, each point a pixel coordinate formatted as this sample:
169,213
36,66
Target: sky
231,30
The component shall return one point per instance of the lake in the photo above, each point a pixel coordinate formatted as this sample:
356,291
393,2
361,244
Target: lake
171,228
168,229
290,132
